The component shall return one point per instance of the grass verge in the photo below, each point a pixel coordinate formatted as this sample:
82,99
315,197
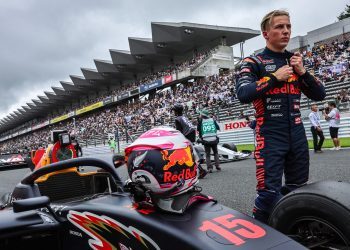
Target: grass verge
328,143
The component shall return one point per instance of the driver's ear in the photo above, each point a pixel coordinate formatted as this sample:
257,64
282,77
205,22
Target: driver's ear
265,35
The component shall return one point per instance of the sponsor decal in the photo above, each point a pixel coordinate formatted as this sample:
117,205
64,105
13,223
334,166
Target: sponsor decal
107,233
235,230
235,125
263,80
277,115
273,107
297,120
262,86
245,70
270,68
75,233
285,89
272,100
267,61
260,160
178,156
185,174
293,78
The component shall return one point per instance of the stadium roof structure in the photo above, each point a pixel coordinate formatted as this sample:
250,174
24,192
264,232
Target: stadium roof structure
169,40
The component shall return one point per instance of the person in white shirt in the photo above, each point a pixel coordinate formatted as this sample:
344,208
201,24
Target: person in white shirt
316,129
333,118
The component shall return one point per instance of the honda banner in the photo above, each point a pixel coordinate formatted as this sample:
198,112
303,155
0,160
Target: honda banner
234,125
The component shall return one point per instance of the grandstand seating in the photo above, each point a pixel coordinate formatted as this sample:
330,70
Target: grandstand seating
202,92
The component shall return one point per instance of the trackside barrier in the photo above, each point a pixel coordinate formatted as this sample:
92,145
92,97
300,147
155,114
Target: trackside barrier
246,135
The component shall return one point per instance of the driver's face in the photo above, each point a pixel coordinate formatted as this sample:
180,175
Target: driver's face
278,33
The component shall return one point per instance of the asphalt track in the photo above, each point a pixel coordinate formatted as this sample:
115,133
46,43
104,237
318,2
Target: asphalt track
234,186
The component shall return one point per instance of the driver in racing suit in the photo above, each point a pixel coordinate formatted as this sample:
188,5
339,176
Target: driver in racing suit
274,80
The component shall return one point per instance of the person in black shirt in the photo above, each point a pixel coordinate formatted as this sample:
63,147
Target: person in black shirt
183,124
188,130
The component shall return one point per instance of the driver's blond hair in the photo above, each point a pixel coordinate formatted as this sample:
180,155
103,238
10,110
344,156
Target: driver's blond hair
266,21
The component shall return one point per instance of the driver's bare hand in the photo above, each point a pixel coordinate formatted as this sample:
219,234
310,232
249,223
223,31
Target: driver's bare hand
296,61
283,73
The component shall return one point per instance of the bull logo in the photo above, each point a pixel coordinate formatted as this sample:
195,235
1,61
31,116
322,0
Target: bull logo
263,80
179,156
293,78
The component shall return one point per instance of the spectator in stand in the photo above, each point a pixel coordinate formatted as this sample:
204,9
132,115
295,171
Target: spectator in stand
316,129
241,115
333,119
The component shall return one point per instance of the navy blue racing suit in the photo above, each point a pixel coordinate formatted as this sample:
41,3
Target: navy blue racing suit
281,144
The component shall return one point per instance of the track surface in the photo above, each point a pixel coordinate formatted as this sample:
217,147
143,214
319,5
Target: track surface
234,186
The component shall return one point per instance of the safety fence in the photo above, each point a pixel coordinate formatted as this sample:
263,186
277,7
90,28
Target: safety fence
237,132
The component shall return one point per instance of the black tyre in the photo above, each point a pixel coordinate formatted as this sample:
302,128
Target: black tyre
316,215
230,146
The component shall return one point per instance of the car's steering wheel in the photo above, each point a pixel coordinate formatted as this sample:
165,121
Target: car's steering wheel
76,162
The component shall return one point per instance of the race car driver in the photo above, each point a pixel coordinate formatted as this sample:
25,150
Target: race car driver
274,80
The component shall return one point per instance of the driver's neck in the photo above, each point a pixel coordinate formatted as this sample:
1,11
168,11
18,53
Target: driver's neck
275,49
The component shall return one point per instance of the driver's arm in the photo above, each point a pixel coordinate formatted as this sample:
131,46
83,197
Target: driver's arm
249,86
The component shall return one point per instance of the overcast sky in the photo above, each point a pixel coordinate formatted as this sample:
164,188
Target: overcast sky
45,41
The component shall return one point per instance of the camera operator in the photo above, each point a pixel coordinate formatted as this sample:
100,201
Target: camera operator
333,118
76,145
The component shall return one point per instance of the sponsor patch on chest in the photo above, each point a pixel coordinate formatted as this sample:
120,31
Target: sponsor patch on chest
270,67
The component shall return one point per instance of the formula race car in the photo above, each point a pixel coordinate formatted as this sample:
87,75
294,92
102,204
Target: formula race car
94,211
227,152
58,207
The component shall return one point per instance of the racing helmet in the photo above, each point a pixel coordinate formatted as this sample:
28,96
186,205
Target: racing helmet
162,160
178,108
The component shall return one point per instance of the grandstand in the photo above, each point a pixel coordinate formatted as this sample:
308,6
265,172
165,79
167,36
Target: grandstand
188,63
176,53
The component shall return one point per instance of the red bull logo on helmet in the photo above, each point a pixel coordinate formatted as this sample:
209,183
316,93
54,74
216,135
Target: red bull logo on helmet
179,157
